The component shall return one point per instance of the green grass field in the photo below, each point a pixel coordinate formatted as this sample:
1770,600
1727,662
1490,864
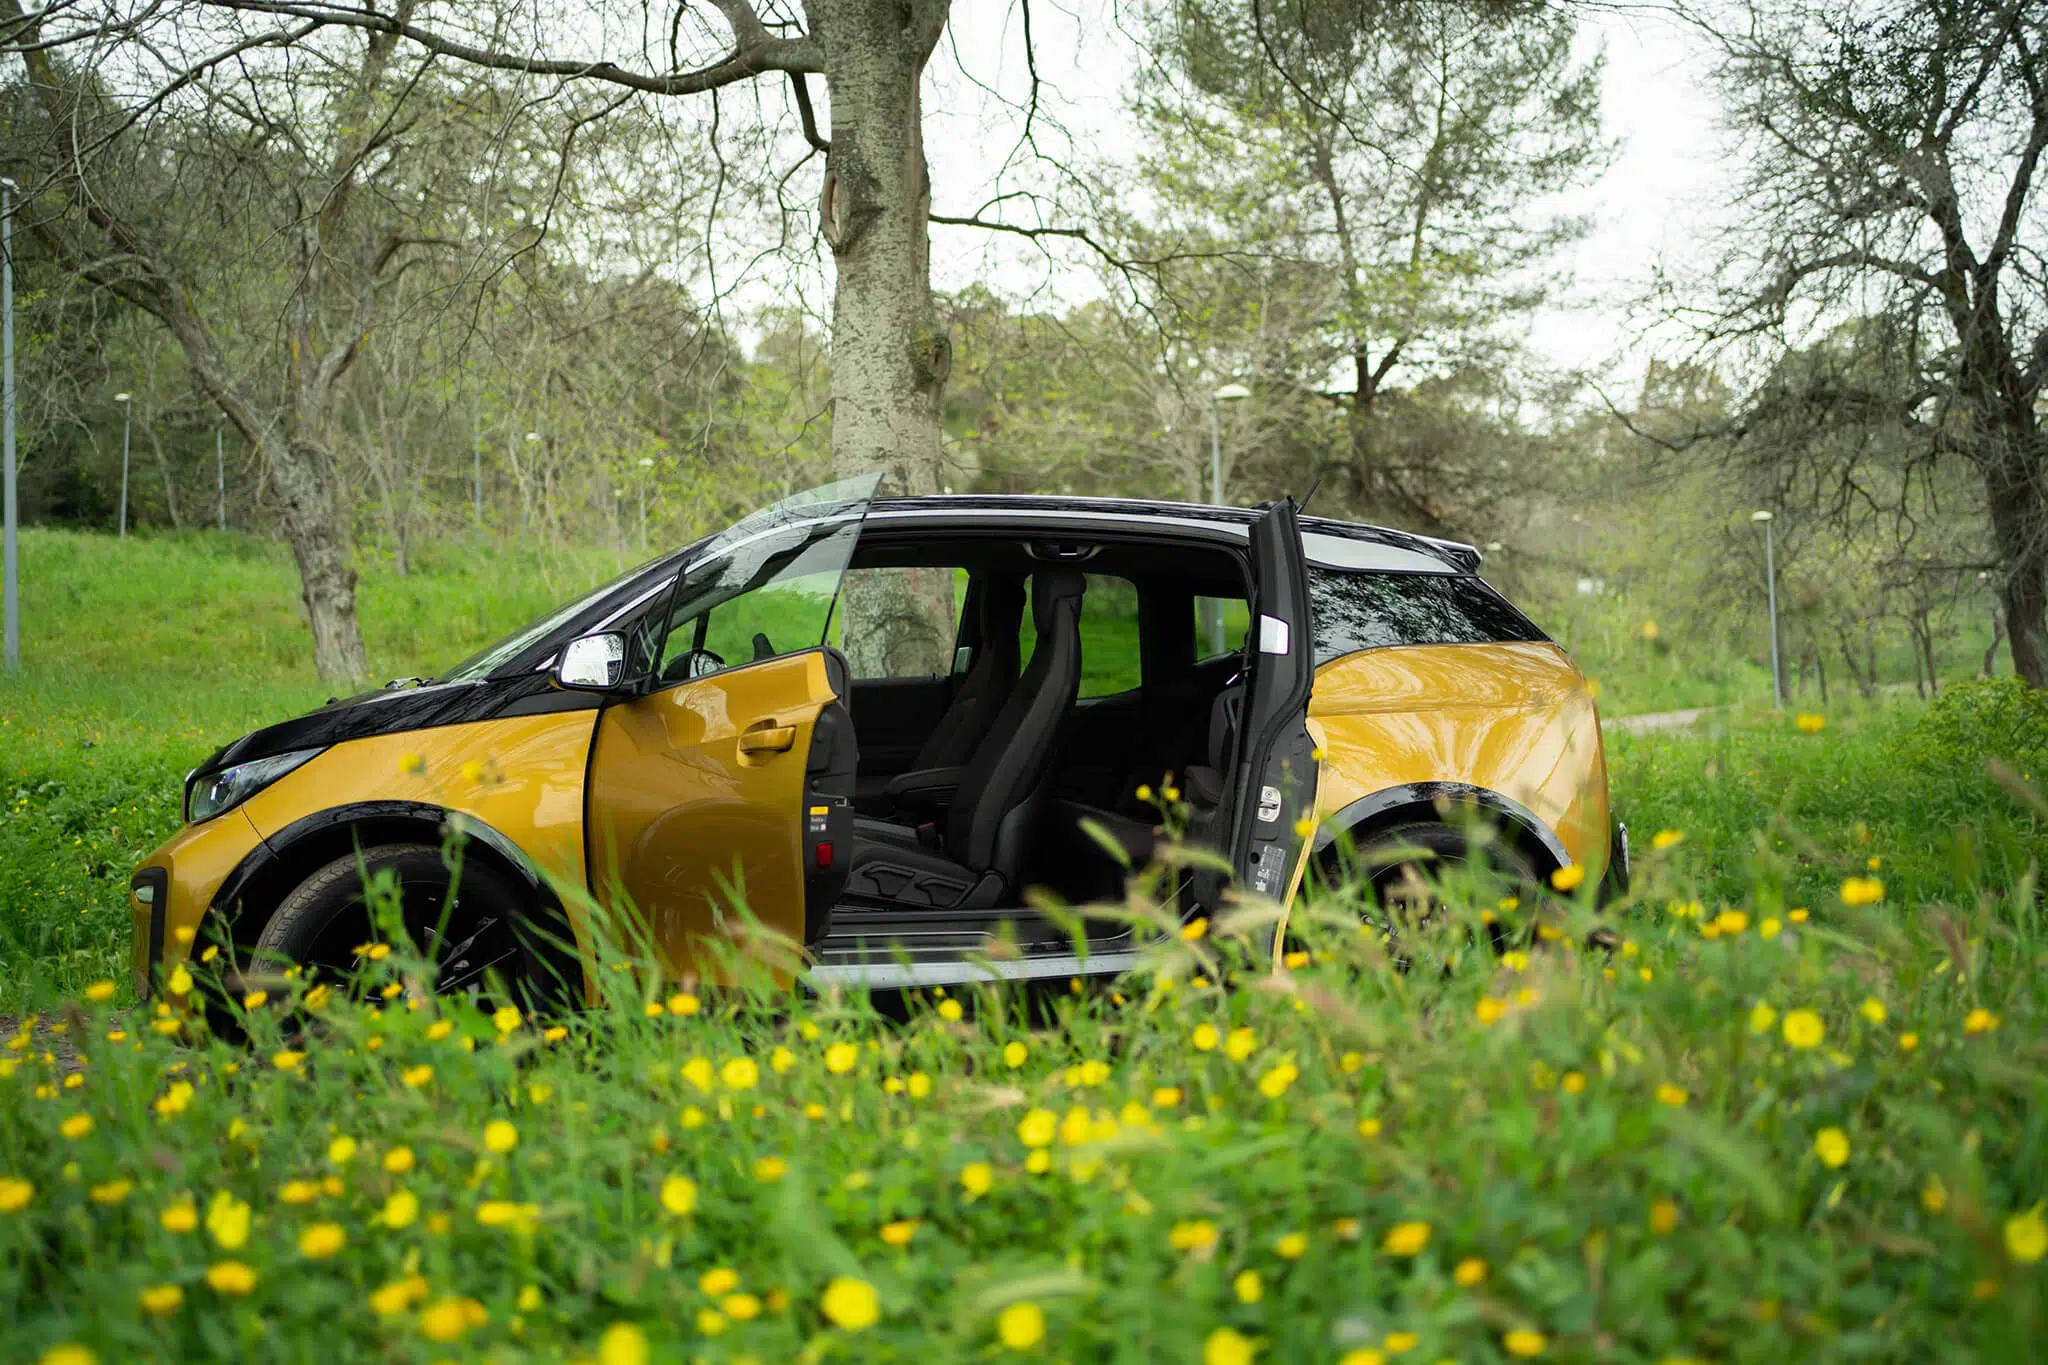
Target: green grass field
1797,1112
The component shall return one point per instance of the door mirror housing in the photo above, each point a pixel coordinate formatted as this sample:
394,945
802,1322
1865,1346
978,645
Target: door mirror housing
592,663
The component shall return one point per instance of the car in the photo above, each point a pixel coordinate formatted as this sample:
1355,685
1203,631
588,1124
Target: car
859,739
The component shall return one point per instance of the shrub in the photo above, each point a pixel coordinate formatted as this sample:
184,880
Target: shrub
1980,719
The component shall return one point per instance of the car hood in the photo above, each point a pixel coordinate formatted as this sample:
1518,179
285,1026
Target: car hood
391,710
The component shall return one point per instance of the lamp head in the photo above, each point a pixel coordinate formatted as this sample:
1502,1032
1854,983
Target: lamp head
533,436
1759,516
646,462
120,398
1230,393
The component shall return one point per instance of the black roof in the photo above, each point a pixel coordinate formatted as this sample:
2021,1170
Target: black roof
1464,556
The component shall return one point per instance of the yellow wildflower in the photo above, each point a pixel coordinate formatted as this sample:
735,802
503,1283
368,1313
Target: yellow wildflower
1803,1028
227,1218
1406,1239
622,1344
1020,1326
1227,1346
321,1240
230,1277
2026,1236
851,1304
1978,1020
679,1194
840,1058
1470,1271
1038,1128
1568,877
157,1300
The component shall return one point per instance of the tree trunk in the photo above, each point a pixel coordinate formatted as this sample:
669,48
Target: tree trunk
889,357
2019,522
327,584
163,469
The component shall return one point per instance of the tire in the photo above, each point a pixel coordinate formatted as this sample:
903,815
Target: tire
326,917
1401,881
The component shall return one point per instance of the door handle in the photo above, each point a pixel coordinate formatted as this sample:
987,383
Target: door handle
766,737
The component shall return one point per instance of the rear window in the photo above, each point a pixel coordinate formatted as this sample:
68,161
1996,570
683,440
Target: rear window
1357,611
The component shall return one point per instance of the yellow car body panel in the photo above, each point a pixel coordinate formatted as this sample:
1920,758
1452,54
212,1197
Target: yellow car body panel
528,786
1514,719
696,804
198,858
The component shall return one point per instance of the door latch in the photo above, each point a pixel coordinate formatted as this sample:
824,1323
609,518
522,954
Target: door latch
767,737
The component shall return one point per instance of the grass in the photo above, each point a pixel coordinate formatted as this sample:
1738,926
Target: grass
1816,1134
1768,1123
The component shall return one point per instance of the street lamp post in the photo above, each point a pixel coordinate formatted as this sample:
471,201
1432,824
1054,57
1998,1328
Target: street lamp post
1229,393
220,480
476,464
1771,591
12,648
127,423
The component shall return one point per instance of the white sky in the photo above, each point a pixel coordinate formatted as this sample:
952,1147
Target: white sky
1656,201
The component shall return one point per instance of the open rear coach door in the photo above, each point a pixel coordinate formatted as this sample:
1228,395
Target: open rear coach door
720,791
1275,782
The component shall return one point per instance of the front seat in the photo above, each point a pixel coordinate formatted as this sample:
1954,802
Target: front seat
990,817
980,698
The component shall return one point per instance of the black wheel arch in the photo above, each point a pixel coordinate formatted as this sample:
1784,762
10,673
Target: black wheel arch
280,862
1435,803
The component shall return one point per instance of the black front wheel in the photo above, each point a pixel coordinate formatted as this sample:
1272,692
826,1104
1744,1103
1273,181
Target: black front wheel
465,925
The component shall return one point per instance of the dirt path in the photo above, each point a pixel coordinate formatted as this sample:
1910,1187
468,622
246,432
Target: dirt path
1656,721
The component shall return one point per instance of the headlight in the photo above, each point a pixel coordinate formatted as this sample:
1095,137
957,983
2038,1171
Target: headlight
208,794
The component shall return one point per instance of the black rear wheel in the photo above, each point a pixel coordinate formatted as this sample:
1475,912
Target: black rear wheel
1403,870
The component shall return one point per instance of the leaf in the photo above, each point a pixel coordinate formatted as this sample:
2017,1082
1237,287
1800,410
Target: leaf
1738,1156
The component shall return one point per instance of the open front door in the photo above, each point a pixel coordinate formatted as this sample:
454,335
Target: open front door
723,791
1275,783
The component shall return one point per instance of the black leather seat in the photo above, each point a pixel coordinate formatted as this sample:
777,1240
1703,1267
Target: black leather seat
990,819
927,785
1088,870
990,677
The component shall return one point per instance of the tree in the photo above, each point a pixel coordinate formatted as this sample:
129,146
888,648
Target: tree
1392,159
890,360
1892,156
272,202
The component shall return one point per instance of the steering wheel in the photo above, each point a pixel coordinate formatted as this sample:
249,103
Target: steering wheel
691,663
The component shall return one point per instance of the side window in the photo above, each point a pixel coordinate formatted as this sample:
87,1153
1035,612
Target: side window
1220,626
1355,611
899,610
1110,658
769,596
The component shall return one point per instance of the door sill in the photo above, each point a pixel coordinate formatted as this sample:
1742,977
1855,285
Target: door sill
898,949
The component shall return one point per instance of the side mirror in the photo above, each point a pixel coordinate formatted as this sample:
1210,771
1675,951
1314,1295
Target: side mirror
592,663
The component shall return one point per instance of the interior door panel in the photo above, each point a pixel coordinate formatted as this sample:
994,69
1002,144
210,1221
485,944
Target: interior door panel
1276,780
697,806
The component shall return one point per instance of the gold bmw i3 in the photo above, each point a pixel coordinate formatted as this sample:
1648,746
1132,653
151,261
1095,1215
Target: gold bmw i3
766,731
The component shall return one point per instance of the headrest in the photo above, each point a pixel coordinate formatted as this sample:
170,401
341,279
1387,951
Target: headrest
1002,604
1050,587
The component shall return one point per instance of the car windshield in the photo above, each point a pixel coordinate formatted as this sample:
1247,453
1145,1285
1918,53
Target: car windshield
742,549
485,661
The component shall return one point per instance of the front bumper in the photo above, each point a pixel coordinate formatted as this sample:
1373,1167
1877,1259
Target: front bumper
181,878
